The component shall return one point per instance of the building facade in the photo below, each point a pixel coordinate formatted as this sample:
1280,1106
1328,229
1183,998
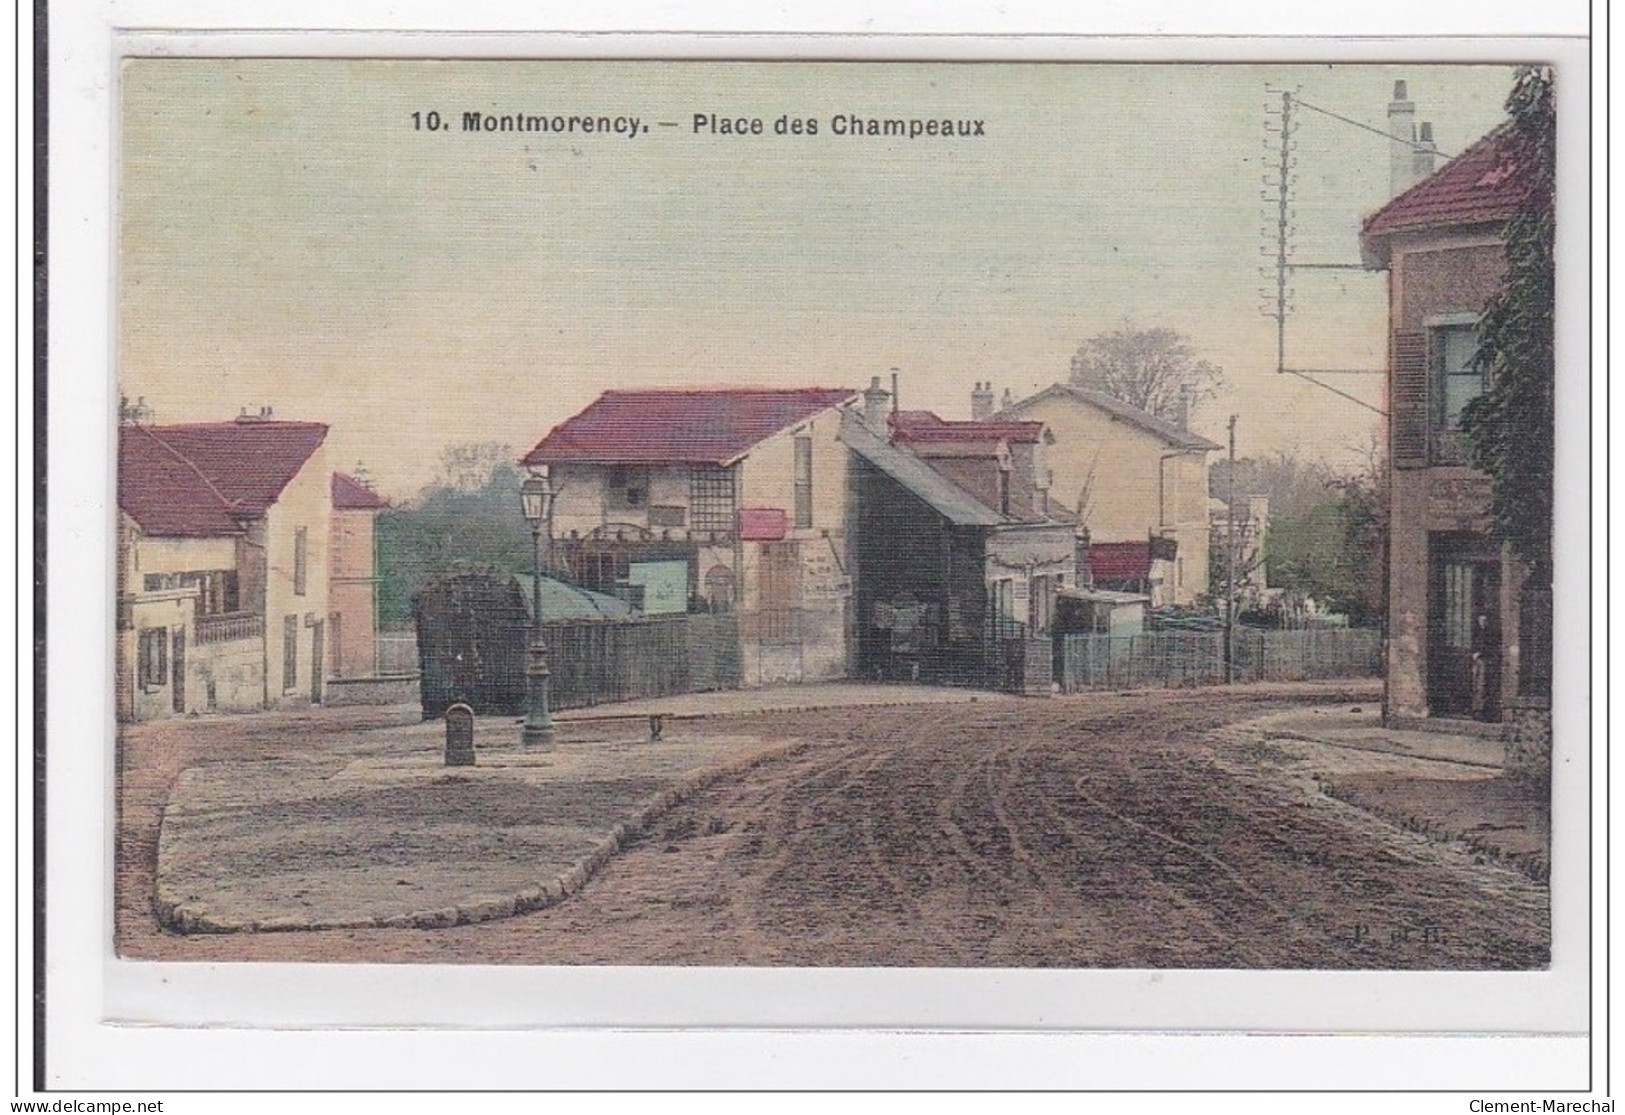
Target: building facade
1131,478
222,581
957,565
352,579
1454,625
729,500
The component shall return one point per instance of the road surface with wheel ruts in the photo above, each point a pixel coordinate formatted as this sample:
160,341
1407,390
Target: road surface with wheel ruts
1136,830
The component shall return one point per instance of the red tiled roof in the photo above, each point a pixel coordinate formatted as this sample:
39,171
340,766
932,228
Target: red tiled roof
1483,185
1120,561
692,427
165,493
919,427
249,462
350,494
198,480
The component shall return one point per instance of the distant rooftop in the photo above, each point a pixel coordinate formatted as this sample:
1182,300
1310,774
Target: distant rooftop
1144,420
681,426
350,494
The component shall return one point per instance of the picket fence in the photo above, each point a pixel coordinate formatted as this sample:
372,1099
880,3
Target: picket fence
1186,658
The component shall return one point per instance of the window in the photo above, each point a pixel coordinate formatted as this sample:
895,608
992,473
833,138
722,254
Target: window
217,590
628,488
1004,599
152,658
1041,604
290,653
300,562
1004,491
804,480
1457,379
711,499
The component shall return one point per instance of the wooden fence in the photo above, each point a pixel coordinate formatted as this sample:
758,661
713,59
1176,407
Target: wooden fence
595,663
591,662
1187,658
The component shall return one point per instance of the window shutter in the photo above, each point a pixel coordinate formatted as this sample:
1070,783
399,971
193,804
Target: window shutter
1409,404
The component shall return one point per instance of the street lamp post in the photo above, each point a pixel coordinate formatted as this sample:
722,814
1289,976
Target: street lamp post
535,495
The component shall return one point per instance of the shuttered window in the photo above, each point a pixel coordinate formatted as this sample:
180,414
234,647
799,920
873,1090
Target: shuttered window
1409,405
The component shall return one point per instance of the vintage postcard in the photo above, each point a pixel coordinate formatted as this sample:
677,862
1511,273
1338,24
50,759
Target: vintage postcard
1091,516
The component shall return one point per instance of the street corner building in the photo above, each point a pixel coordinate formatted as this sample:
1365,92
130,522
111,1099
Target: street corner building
726,502
245,575
1458,644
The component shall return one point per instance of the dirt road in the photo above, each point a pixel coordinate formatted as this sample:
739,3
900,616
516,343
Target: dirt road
1106,831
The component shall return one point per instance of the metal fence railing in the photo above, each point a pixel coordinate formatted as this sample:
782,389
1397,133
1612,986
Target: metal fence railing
1188,658
233,625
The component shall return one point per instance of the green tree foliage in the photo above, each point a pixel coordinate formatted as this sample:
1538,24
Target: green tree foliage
1510,428
468,517
1326,531
1147,368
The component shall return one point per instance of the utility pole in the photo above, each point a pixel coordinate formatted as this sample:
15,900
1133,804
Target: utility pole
1283,226
1230,564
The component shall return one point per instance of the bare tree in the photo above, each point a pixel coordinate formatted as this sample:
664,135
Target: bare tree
1155,369
471,465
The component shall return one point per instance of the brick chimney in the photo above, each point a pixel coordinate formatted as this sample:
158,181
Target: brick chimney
981,402
875,399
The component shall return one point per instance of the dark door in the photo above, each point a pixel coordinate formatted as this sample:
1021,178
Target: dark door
1464,639
177,669
316,666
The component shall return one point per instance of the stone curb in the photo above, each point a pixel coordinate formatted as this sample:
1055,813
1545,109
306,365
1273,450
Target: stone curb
195,918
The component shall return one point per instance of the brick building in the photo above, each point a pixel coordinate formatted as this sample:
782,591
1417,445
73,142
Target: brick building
1457,646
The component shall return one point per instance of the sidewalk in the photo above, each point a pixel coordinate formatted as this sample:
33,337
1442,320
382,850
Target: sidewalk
1449,785
1363,730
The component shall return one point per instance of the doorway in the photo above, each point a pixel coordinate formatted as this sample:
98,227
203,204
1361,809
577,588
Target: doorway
177,670
316,667
1464,633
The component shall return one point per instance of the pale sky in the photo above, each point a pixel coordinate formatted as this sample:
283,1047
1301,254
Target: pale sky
289,239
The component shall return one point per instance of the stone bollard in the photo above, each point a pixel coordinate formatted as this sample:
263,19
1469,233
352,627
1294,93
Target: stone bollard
459,736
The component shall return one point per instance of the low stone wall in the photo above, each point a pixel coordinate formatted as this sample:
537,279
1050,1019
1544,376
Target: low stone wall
1529,743
228,676
390,690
